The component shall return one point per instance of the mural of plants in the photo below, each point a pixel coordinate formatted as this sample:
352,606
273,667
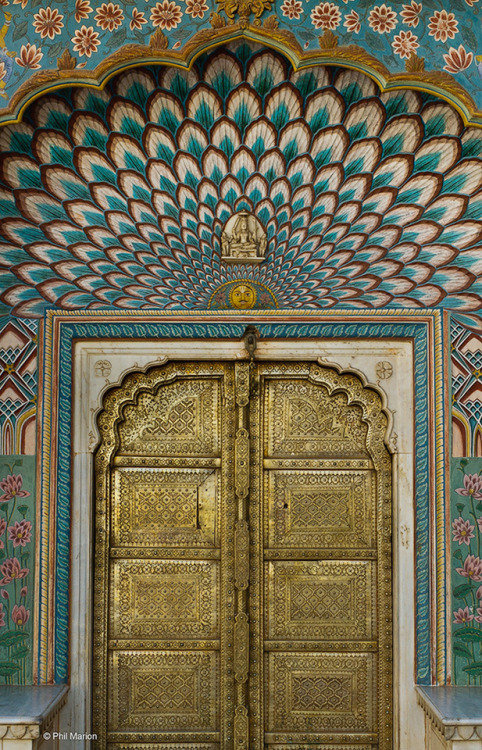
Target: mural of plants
467,571
16,569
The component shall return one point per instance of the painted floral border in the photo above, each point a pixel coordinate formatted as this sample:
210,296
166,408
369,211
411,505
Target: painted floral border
467,572
16,573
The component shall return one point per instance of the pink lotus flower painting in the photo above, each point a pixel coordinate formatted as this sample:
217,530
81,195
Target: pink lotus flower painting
16,558
467,573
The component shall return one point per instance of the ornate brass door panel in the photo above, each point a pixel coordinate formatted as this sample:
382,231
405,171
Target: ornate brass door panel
243,579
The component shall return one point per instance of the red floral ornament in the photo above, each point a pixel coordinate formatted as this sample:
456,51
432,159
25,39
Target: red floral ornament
20,533
12,484
411,13
325,16
443,26
382,19
167,15
109,16
455,61
82,10
138,19
292,9
29,57
11,570
463,615
352,22
197,8
20,615
48,22
86,41
404,44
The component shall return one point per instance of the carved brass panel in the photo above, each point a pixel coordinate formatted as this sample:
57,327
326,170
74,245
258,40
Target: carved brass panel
318,692
168,507
328,600
305,420
321,508
164,691
181,418
164,599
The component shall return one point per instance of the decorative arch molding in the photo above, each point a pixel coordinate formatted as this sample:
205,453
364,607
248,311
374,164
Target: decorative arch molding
435,82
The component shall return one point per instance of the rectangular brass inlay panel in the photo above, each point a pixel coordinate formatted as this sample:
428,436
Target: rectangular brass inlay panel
164,599
181,418
318,692
305,420
320,508
320,600
164,691
165,507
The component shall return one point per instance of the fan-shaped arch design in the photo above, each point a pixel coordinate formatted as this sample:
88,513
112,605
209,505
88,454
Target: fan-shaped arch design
118,198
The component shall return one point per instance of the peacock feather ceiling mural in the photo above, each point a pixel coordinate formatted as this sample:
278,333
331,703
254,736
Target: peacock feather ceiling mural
119,198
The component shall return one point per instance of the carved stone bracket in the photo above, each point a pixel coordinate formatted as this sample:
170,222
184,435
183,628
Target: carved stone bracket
242,463
241,555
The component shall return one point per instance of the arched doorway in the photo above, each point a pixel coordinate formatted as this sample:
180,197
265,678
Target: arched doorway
242,567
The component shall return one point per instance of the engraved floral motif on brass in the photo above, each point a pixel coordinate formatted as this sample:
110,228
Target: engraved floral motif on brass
164,506
164,690
321,509
312,692
180,418
164,599
242,462
241,555
320,600
306,420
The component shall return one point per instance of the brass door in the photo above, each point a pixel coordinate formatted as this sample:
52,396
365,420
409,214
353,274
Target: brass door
242,565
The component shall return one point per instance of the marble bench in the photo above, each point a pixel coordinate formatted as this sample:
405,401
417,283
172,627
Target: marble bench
453,717
29,716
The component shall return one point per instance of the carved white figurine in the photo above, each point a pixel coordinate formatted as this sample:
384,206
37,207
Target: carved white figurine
243,239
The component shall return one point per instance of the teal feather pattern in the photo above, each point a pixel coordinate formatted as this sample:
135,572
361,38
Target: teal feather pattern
118,198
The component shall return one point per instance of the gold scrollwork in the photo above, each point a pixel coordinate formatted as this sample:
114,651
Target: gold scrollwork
242,463
241,555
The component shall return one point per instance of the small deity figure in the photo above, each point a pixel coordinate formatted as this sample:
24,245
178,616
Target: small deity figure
243,239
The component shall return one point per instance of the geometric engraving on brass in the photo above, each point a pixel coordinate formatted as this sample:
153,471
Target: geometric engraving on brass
305,420
164,599
241,555
329,600
321,692
160,691
170,507
241,647
242,463
241,379
321,508
180,419
241,728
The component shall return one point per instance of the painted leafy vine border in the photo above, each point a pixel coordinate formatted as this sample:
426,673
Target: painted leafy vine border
16,574
467,573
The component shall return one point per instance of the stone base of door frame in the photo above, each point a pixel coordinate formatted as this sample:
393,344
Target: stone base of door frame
97,367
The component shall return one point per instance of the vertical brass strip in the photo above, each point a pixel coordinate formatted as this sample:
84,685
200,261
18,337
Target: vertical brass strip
241,377
241,555
241,728
241,647
242,463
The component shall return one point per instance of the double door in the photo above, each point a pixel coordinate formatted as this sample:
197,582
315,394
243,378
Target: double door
242,566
